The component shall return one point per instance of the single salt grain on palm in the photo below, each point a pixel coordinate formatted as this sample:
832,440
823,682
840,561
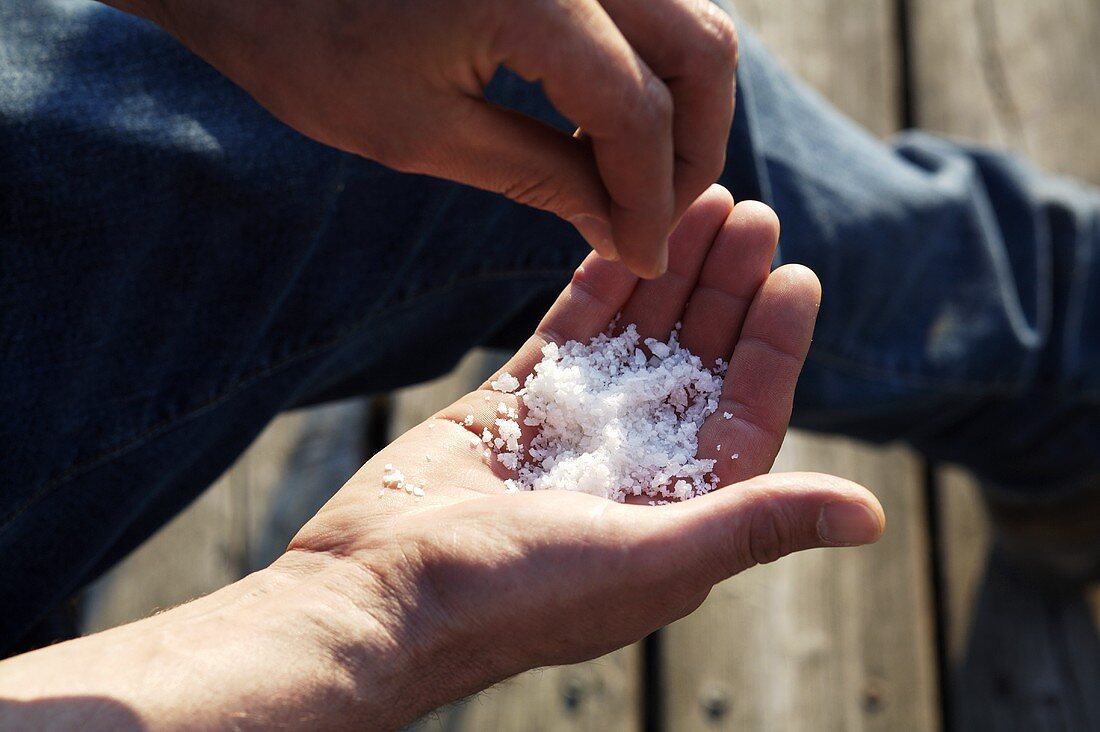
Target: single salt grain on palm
614,417
392,477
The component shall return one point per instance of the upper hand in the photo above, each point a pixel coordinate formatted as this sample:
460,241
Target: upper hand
497,583
650,84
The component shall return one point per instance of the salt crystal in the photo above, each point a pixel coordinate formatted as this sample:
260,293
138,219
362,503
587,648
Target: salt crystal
469,420
392,477
418,491
505,383
735,455
727,415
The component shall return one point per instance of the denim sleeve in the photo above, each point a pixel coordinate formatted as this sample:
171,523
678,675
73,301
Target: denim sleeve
961,303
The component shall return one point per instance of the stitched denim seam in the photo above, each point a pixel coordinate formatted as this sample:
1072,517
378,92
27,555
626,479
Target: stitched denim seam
246,381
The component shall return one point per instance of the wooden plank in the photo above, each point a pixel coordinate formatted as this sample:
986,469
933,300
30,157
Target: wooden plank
823,640
242,522
595,696
1022,76
846,50
963,543
827,639
301,460
1024,652
604,694
1017,74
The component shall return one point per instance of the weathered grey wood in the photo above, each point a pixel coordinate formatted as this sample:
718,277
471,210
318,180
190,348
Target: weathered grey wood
1014,73
1031,659
827,639
848,50
242,522
824,640
301,460
604,694
963,544
597,696
1024,651
1022,76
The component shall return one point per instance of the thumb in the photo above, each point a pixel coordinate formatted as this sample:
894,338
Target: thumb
499,150
768,517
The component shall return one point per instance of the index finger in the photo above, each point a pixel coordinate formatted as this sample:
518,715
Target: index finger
592,75
692,46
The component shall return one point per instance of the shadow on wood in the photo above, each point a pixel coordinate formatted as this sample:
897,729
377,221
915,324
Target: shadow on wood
1033,658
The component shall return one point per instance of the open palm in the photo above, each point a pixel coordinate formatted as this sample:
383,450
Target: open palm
514,581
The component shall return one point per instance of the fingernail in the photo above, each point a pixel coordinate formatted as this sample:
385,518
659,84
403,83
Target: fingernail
662,263
848,522
597,233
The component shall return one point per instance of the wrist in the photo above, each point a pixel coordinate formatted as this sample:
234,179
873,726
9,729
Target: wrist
395,659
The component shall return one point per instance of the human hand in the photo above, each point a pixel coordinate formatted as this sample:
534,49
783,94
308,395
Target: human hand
650,84
473,585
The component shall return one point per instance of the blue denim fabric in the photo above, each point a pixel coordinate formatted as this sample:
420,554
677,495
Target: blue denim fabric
176,267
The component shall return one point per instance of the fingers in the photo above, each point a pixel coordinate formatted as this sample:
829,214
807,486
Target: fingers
725,532
758,391
736,266
500,150
692,46
656,305
587,305
593,76
654,137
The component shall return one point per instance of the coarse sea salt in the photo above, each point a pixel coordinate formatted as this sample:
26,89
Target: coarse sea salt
505,383
614,417
395,480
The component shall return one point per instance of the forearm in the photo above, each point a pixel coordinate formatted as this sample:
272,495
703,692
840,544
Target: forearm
298,643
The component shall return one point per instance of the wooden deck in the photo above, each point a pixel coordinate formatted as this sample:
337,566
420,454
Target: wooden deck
923,631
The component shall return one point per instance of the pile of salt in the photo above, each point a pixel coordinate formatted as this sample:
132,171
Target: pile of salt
610,419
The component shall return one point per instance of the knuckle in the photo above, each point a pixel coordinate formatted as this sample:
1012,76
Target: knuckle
658,100
720,36
646,108
538,192
768,538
